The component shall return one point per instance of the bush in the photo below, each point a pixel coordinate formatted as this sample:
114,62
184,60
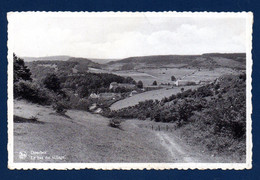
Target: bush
21,72
173,78
115,123
60,106
185,111
140,84
52,82
204,91
31,92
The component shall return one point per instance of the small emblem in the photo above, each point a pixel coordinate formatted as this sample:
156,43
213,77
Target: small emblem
22,155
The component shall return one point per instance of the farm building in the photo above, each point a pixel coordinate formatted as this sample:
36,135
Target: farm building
133,93
94,95
115,85
186,83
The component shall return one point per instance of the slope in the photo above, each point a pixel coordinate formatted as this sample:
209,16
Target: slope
234,60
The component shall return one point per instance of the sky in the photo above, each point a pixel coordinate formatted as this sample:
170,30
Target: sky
118,36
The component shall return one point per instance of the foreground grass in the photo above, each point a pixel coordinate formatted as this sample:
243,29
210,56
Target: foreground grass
81,137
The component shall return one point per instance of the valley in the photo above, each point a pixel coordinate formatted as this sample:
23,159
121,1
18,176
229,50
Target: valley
164,106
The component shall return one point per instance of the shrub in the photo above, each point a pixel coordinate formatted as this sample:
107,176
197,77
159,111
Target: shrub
60,105
115,123
185,111
204,91
140,84
52,82
31,92
173,78
21,72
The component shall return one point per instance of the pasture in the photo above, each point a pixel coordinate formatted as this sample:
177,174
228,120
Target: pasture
163,75
156,94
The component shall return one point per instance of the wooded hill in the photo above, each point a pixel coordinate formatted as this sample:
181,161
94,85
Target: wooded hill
73,65
213,115
211,60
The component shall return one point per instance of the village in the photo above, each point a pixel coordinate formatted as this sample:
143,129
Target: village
107,99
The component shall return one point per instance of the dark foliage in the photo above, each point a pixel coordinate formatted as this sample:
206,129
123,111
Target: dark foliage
87,83
115,123
52,82
60,105
221,117
140,84
173,78
31,92
154,83
21,72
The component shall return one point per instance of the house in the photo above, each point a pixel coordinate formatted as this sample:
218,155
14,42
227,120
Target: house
186,82
115,85
98,110
94,95
93,107
133,93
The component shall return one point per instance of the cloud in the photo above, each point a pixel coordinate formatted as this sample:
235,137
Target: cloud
185,40
125,37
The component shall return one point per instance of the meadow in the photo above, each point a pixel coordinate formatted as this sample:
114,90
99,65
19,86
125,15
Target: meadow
149,95
163,75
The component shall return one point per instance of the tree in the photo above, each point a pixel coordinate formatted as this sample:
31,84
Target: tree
21,72
52,82
173,78
140,84
155,83
129,80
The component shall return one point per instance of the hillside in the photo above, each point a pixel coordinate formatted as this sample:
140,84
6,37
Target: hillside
102,61
214,60
40,68
82,137
212,116
46,58
84,62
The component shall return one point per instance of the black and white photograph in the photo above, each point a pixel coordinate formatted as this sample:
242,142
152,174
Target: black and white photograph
124,90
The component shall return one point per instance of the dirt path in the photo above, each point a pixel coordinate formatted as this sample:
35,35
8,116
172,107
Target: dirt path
176,151
174,147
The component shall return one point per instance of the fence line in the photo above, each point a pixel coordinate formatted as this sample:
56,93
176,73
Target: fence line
160,127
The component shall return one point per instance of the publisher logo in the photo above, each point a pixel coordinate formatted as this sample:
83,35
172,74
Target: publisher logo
22,155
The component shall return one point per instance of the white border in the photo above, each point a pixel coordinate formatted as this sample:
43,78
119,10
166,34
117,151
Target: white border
128,166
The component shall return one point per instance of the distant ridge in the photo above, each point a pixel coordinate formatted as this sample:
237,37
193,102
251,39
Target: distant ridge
46,58
85,62
102,61
231,60
66,58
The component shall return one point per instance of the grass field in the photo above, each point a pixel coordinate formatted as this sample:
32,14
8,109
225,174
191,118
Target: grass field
83,137
155,94
163,75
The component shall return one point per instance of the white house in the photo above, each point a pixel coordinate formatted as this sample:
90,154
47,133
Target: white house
133,93
94,95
